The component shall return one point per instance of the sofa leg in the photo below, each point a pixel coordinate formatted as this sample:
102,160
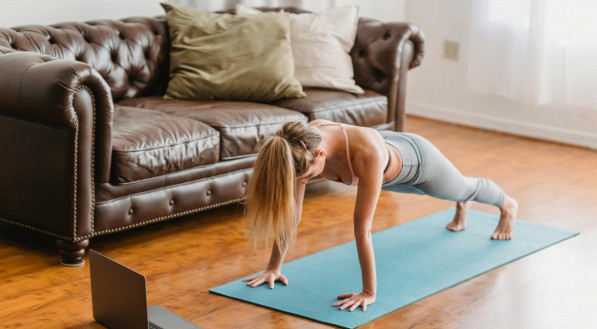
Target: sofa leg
72,252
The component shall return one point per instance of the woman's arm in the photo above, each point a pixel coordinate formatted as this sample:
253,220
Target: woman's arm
299,196
371,165
367,196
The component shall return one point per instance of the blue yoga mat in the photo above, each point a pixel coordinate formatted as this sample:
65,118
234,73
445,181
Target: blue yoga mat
413,260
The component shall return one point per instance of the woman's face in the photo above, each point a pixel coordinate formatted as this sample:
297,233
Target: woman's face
316,167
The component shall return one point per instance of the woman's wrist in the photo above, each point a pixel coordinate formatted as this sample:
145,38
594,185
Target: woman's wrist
368,293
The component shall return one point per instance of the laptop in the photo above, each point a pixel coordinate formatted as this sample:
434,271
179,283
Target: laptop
119,298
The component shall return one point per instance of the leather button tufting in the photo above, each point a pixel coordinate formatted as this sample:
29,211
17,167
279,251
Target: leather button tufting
386,35
131,211
244,184
362,53
208,192
171,202
379,77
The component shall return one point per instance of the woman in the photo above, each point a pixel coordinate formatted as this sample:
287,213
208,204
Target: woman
354,155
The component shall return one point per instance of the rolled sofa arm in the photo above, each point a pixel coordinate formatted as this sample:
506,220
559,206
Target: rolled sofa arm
55,140
382,55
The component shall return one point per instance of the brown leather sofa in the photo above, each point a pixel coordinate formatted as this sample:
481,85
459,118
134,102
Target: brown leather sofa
89,147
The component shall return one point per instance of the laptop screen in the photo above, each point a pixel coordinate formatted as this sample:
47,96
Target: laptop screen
118,294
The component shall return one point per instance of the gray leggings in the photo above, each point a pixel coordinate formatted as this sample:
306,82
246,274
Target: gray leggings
425,170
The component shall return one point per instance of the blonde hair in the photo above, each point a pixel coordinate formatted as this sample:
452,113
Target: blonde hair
270,207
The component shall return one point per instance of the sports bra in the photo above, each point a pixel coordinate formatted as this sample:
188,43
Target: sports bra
354,180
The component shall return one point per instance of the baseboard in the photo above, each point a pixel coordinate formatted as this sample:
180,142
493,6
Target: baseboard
526,129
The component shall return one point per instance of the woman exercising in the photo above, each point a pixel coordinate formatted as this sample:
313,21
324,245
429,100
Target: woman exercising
353,155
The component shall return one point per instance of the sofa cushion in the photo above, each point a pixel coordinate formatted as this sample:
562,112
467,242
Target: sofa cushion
368,109
321,43
148,143
229,57
241,125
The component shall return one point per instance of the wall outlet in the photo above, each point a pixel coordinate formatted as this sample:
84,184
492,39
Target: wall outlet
451,49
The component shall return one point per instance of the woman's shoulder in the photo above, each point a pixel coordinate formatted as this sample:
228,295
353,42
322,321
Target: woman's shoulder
367,143
364,134
319,122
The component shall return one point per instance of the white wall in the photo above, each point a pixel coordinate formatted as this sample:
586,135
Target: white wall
384,10
23,12
438,88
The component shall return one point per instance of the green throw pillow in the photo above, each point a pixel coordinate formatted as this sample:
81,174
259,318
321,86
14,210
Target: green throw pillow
229,57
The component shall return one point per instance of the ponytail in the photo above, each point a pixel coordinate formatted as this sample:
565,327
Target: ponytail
270,208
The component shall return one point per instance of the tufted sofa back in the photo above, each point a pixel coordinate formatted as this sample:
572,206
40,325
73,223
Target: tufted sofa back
130,54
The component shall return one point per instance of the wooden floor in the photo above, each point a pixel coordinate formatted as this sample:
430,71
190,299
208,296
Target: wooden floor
554,288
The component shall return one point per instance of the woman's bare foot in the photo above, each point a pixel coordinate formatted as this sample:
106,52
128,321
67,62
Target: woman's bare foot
459,221
505,227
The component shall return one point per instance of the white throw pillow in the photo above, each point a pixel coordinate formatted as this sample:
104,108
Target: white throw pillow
321,43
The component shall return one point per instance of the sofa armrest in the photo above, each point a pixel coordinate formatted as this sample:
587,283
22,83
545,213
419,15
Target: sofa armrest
42,88
55,135
382,55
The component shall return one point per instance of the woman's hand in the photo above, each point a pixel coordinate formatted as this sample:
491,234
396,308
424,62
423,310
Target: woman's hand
269,276
355,300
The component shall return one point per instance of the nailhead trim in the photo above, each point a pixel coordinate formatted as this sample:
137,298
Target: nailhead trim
75,238
35,229
162,218
76,175
158,219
